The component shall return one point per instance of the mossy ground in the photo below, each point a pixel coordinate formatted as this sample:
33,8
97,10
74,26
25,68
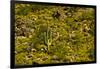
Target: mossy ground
53,34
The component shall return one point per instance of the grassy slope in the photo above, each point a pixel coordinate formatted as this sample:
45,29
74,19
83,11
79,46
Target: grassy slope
53,34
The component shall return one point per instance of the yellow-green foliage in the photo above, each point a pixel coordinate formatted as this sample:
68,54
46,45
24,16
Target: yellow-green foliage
53,34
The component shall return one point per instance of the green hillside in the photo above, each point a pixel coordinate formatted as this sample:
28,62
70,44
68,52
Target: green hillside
47,34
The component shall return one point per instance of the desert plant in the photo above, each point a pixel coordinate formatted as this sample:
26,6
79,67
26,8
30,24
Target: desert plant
48,38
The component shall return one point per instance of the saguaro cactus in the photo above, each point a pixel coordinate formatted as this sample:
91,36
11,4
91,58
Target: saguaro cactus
48,38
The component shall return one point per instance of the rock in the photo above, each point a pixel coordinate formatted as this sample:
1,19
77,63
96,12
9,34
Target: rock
44,58
16,52
33,50
28,56
55,57
55,61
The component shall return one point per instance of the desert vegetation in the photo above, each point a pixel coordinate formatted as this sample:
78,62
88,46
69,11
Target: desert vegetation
49,34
